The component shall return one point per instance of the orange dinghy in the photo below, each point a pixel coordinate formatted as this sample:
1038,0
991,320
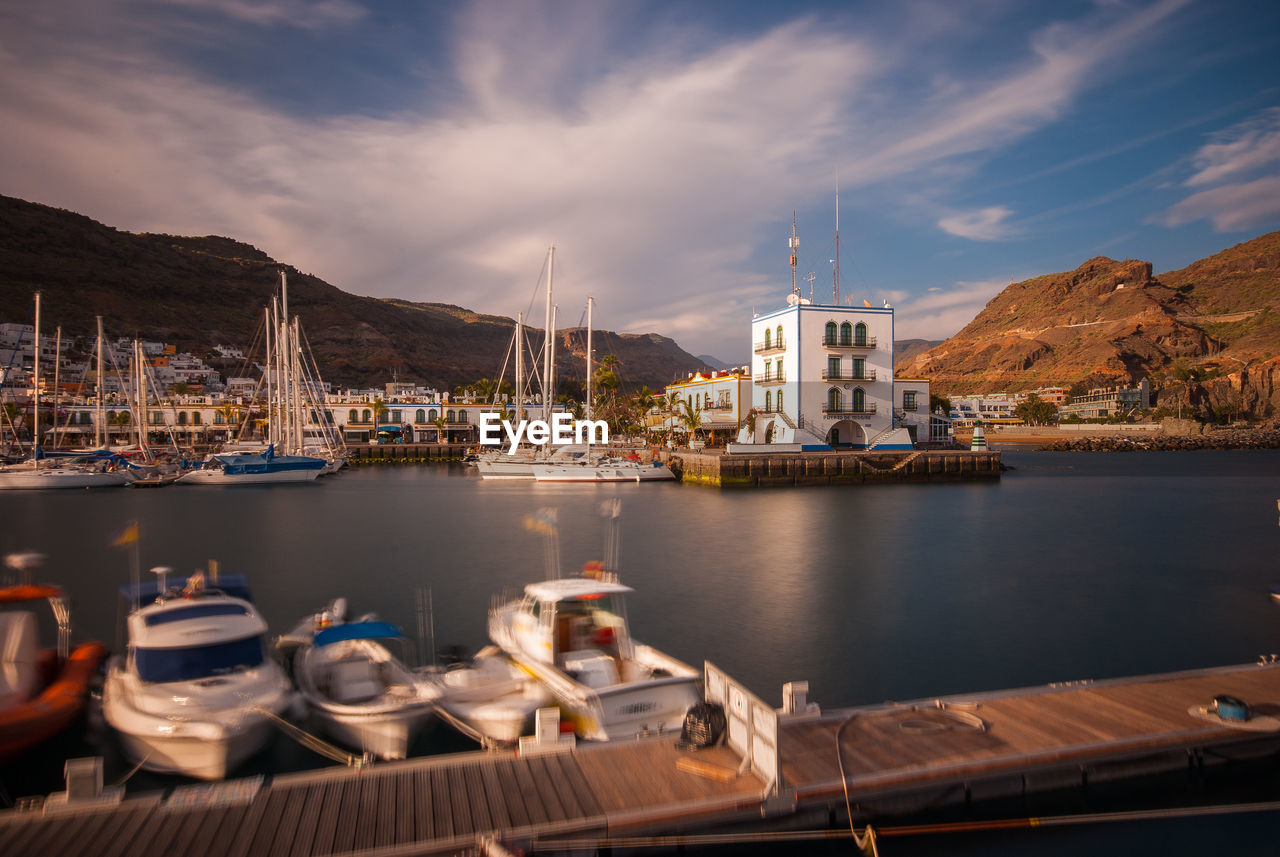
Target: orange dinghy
41,691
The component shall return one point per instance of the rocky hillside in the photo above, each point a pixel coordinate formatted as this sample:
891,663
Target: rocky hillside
201,292
1208,335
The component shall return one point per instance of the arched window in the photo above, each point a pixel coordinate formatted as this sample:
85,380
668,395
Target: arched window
367,416
706,401
768,401
777,369
830,337
195,418
462,415
431,415
779,401
834,399
846,334
450,416
860,334
768,341
420,416
859,400
218,418
779,338
182,418
353,416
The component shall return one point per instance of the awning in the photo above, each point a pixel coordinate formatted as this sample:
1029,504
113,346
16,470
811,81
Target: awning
357,631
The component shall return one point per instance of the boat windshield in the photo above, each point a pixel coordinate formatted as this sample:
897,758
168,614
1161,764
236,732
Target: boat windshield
162,665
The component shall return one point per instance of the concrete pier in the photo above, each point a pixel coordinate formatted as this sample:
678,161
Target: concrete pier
760,470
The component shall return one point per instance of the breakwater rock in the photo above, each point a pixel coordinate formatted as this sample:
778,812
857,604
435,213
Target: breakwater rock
1251,438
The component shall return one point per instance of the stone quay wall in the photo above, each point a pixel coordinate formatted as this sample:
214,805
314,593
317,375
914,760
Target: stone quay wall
763,470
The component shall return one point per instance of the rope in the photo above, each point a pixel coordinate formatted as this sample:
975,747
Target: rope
679,840
314,744
134,769
868,838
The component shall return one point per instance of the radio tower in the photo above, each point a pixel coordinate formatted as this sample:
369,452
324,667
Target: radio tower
794,244
835,272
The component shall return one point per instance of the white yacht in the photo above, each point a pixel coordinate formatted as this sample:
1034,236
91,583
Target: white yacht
572,635
605,469
358,692
254,469
195,692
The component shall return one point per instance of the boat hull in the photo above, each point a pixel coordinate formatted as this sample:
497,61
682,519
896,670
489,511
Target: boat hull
60,477
604,472
217,477
386,734
29,724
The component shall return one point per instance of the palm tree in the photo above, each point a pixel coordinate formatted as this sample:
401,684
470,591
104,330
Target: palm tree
689,416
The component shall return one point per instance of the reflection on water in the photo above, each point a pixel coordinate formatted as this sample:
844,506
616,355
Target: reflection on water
1071,566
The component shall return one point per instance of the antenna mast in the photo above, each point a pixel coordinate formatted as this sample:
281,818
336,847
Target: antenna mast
794,244
835,272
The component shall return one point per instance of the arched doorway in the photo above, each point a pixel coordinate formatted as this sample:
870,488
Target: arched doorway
847,434
768,432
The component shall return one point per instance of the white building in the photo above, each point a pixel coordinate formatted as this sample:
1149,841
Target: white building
722,399
823,378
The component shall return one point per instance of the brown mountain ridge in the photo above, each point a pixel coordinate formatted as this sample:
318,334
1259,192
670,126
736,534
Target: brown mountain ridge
200,292
1113,322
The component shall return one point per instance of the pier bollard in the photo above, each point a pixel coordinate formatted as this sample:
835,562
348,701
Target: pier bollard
547,737
84,787
795,701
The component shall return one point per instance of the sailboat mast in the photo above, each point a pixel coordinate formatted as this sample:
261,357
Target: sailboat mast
57,382
519,362
271,401
295,373
546,341
591,302
97,415
835,273
35,374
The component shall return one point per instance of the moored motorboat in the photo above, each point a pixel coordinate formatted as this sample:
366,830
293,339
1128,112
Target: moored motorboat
357,691
195,693
572,635
605,469
490,698
41,690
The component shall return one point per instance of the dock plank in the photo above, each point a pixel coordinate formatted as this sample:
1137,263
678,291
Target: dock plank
313,803
424,811
512,798
442,825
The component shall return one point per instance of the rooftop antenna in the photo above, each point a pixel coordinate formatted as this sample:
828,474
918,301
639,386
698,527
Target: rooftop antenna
835,272
794,244
810,277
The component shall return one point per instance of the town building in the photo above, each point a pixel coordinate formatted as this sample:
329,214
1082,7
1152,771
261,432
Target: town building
720,398
1106,401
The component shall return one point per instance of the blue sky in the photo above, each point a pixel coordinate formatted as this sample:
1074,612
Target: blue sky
432,151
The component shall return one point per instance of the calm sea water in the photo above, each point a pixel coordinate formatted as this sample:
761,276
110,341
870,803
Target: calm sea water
1071,566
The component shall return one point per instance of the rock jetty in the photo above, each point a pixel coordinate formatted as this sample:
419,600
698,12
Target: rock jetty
1265,437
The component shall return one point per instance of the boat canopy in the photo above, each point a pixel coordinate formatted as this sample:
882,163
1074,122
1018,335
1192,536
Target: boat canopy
357,631
573,587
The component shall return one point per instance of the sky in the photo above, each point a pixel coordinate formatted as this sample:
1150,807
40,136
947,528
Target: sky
433,151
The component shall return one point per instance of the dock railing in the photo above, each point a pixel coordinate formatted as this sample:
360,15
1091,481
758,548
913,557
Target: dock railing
751,728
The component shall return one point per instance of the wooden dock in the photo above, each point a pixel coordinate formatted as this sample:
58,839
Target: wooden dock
775,767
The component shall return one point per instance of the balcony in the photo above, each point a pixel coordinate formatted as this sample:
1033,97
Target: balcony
768,379
866,343
849,410
867,375
768,347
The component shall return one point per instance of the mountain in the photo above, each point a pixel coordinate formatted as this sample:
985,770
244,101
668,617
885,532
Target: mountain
906,349
1109,322
199,292
715,363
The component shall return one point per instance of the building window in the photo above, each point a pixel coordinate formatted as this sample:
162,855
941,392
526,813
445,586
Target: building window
353,416
195,418
909,400
218,419
768,401
779,337
367,416
859,400
833,367
859,367
462,415
834,399
420,416
706,401
395,416
450,416
777,369
860,334
431,415
779,401
768,341
846,334
830,337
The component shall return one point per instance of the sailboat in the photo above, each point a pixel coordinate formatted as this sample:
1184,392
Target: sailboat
498,464
36,472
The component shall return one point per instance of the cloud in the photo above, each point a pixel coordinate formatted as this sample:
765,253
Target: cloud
986,224
657,159
940,314
1243,148
1231,207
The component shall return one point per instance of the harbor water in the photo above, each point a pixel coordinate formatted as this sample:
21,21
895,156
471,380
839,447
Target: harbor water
1072,566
